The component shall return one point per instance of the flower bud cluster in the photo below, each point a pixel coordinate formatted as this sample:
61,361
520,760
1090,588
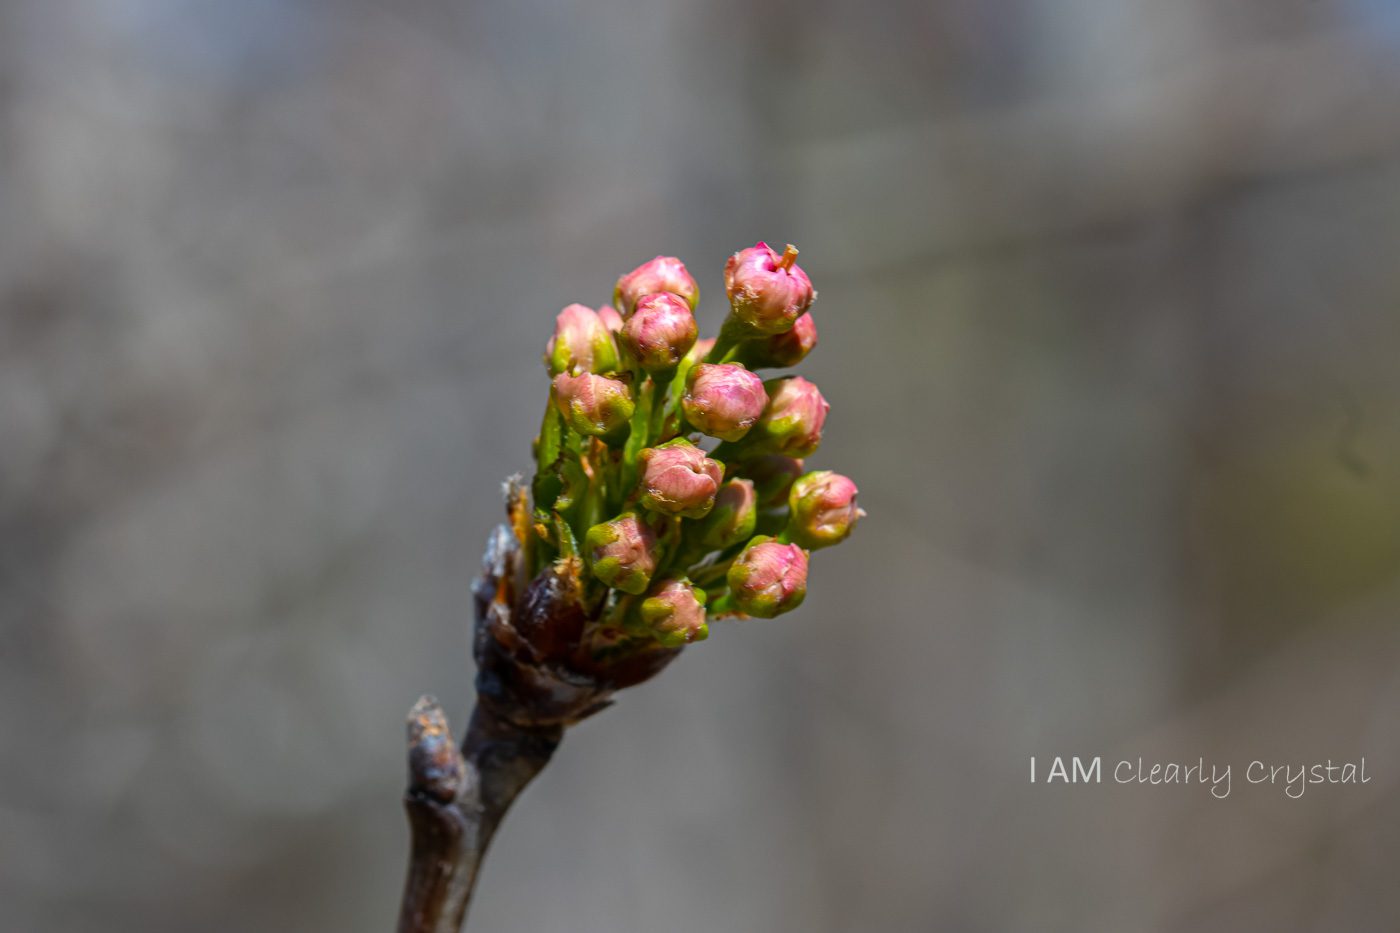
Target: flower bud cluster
670,479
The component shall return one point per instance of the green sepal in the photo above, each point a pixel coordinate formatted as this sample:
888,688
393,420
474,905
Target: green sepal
574,486
547,483
564,536
637,436
551,438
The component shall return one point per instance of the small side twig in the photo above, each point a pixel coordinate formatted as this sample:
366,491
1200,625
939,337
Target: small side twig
455,801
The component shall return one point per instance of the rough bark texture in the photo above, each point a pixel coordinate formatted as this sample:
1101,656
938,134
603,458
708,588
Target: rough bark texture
455,801
532,682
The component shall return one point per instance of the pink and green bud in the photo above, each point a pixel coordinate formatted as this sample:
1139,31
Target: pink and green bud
662,274
732,519
622,553
660,332
768,578
611,319
767,290
592,404
675,613
678,479
773,476
581,343
823,509
781,350
792,423
723,400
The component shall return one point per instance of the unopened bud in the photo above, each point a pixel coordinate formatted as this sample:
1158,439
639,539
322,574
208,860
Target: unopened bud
781,350
675,613
581,343
678,479
593,404
773,476
622,553
723,400
660,332
792,422
662,274
767,290
768,578
823,509
732,519
611,319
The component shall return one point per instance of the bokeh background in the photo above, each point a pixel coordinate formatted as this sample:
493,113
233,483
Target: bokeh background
1110,310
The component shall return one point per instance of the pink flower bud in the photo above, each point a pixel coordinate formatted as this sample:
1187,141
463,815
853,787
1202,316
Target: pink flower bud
662,274
675,613
823,509
660,332
611,319
581,343
768,578
593,404
773,476
723,400
768,291
792,422
622,553
731,520
678,479
781,350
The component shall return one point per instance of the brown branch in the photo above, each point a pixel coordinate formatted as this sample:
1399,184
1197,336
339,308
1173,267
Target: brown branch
532,681
455,801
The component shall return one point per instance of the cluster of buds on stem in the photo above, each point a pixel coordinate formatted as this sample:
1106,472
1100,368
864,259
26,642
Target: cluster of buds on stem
670,485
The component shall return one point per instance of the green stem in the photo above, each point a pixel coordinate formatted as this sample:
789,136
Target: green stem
721,604
592,458
637,438
659,405
712,574
667,545
731,334
620,609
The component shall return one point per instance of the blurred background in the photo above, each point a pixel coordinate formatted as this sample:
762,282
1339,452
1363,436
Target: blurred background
1110,311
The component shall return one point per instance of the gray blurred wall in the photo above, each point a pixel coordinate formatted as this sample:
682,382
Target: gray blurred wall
1110,317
